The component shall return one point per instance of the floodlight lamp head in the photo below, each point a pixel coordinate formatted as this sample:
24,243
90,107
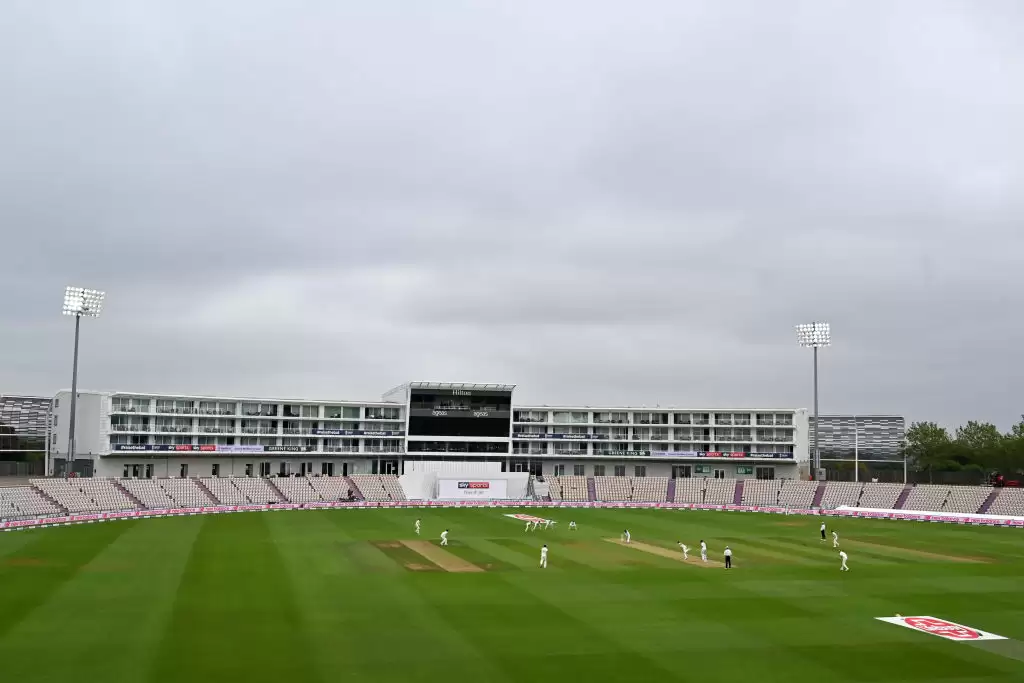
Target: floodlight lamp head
814,335
82,302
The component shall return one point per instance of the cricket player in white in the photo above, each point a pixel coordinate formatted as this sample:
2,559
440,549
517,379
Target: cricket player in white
625,535
835,539
528,525
572,525
535,525
685,550
548,523
544,557
444,537
703,551
417,527
843,556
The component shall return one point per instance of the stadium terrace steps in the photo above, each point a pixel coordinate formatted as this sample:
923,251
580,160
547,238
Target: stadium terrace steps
591,489
276,490
204,489
988,502
737,496
131,496
50,499
355,489
670,496
903,498
819,493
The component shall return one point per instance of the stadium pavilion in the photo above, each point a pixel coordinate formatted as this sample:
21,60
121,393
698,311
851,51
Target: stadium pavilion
132,434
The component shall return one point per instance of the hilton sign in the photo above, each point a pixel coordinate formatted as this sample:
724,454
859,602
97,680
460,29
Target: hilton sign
461,392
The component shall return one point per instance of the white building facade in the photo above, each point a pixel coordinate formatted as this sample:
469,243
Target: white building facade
134,434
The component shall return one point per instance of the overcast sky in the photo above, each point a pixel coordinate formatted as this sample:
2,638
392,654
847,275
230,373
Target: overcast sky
602,202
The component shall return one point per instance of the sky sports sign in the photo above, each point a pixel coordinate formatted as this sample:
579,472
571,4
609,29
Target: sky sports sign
208,448
474,484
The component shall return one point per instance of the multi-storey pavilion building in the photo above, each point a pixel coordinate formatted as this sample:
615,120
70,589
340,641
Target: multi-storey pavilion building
139,434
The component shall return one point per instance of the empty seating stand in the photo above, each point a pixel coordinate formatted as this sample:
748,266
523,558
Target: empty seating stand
1009,502
380,488
24,502
331,489
927,497
761,492
880,495
966,499
650,489
796,493
690,490
297,489
842,493
85,495
571,488
720,491
186,493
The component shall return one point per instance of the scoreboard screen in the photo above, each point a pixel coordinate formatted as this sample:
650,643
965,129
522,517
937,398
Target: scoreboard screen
460,412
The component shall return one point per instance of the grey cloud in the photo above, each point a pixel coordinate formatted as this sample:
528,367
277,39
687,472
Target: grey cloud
600,204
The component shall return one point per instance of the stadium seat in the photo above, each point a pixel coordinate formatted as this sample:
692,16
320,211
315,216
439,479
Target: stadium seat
570,489
926,497
761,492
185,493
841,493
880,495
966,499
297,489
22,502
1009,502
690,490
720,492
331,488
797,493
380,488
224,491
82,495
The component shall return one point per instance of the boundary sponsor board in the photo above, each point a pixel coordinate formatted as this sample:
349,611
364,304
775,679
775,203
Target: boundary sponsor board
986,520
942,628
477,489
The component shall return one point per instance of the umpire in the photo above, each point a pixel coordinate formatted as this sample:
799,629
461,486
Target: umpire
728,557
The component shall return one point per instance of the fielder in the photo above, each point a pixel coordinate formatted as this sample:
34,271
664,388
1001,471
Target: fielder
703,551
685,550
528,525
535,525
417,527
572,526
544,556
625,535
548,523
835,539
444,537
843,556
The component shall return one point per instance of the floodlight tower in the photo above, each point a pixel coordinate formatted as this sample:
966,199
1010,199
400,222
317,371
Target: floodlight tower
81,303
815,336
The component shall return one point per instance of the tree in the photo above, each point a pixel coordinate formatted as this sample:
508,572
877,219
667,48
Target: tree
928,447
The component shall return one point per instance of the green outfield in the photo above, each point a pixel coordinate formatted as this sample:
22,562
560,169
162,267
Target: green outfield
348,595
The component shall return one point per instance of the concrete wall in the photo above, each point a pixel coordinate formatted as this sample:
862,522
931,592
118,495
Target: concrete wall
89,440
